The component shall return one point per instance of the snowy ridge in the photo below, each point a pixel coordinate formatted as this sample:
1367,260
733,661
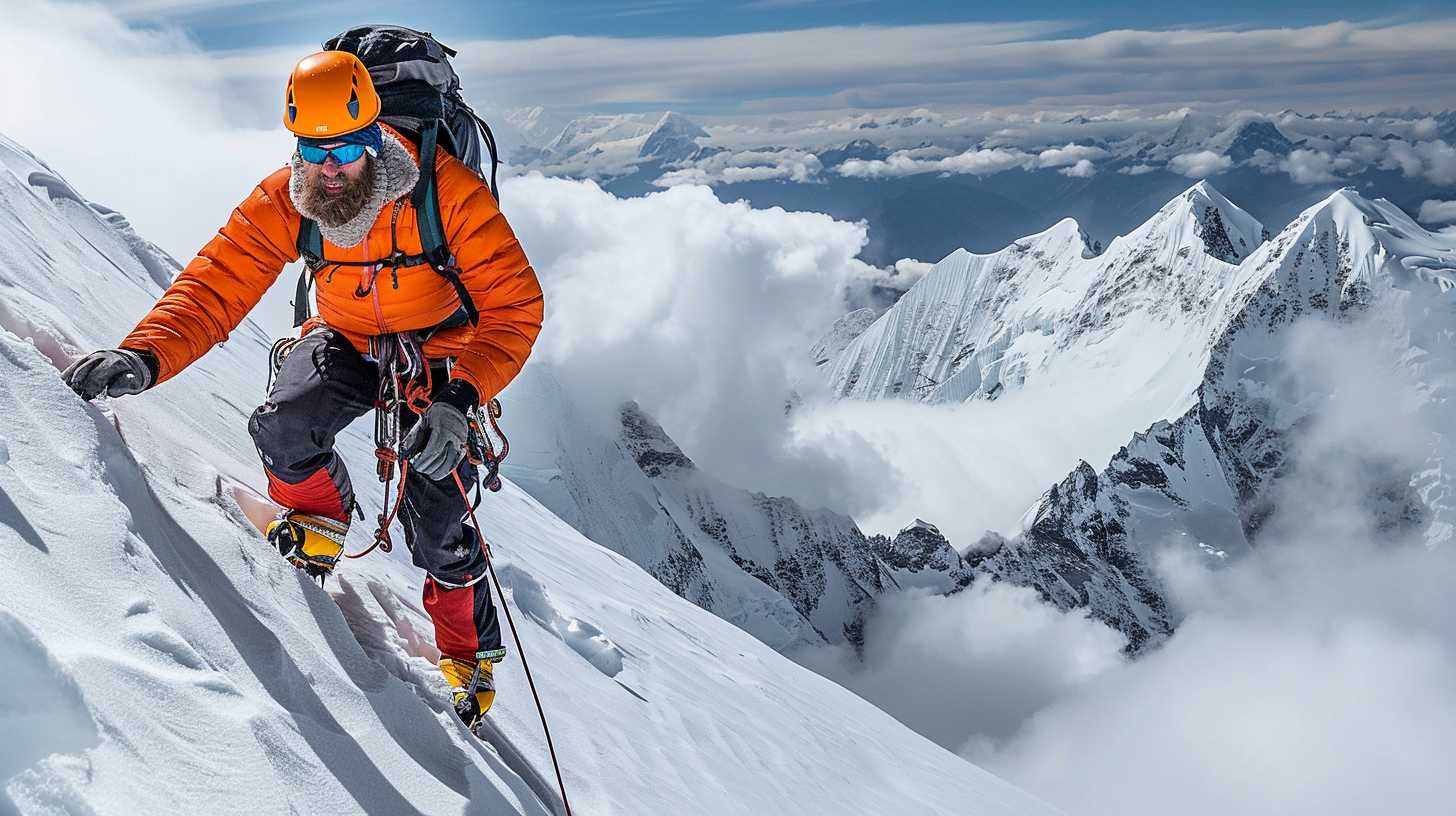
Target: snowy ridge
159,659
673,139
1203,483
841,334
610,145
1127,332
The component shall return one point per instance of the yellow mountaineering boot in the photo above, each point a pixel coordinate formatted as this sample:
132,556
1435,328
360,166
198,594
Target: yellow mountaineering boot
311,543
472,686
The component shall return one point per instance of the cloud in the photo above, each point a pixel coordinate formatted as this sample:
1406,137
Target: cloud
1437,212
729,167
111,116
968,467
1435,160
1238,715
703,312
1016,65
1082,169
981,162
1316,675
1440,161
1310,166
1136,169
974,162
970,666
1200,164
878,289
1071,154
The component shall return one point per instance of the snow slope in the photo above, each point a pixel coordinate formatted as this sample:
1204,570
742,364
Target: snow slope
1046,317
159,659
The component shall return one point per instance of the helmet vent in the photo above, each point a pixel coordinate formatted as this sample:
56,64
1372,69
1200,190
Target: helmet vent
353,104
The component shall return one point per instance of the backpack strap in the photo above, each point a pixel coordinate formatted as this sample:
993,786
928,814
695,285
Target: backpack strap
426,202
434,250
311,250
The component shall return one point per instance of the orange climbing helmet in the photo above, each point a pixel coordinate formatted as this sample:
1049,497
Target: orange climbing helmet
329,94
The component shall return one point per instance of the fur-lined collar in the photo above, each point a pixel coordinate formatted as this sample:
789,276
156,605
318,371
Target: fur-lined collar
395,174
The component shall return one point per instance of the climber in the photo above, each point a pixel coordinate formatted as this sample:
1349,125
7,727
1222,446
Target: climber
472,318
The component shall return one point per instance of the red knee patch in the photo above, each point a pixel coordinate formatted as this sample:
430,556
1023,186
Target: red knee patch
317,495
453,611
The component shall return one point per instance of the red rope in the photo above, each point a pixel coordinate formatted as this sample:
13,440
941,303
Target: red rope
417,397
381,533
490,567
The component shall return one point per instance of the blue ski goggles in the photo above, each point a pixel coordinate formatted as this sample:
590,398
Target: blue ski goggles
343,154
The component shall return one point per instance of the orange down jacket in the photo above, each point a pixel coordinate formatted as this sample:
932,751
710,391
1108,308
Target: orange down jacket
230,274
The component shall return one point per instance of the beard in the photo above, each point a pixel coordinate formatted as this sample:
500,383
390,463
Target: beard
337,209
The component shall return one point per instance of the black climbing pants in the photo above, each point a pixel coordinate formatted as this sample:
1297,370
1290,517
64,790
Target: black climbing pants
325,384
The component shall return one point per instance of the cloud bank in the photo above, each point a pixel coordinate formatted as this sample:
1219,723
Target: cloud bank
1317,675
703,312
1200,164
1076,159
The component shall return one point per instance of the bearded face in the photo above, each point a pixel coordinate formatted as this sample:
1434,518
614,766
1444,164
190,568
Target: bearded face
335,193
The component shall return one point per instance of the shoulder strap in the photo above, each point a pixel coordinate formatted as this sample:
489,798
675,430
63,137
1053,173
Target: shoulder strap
432,236
426,202
311,250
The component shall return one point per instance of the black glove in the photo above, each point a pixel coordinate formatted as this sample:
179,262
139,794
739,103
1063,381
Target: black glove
114,372
436,444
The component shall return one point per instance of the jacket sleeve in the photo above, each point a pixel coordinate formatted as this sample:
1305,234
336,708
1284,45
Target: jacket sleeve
500,280
224,282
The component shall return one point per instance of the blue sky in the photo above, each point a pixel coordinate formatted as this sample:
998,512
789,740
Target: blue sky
235,24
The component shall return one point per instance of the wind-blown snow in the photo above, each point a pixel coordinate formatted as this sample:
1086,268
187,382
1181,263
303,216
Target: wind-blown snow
160,659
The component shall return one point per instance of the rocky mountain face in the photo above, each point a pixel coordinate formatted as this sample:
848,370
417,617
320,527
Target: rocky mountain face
788,574
1207,481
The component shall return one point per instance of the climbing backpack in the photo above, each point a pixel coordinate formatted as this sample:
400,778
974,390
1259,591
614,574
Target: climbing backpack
420,95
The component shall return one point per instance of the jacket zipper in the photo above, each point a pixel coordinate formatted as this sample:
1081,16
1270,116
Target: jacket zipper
374,275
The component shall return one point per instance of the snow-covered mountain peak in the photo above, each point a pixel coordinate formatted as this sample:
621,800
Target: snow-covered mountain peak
1357,241
1199,219
654,451
1192,131
1240,140
1064,236
1127,331
921,524
1208,480
674,138
674,122
841,334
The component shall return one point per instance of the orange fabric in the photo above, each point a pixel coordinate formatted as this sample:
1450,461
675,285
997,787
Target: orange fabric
230,274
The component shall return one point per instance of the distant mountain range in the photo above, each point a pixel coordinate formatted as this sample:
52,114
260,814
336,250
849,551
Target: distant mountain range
928,185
